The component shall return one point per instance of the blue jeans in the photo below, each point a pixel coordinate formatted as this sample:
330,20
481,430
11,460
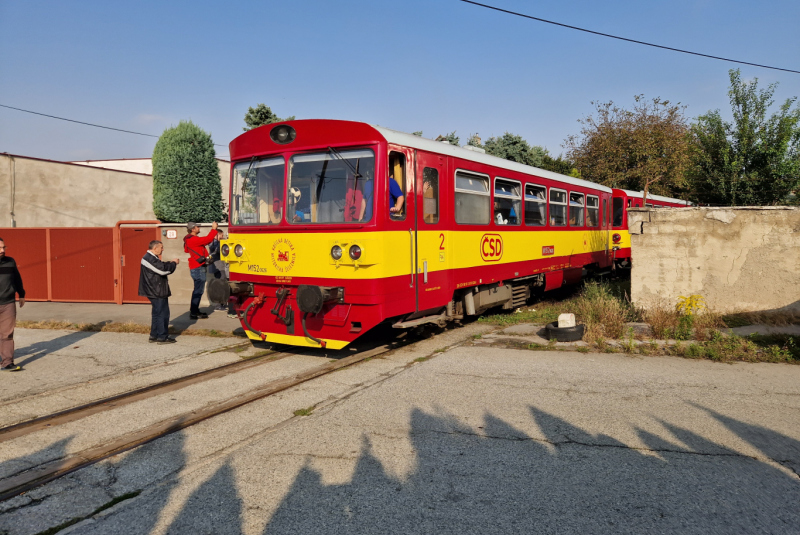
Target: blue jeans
159,324
199,278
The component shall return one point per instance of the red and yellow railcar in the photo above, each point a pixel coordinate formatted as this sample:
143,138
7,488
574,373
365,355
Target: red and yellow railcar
624,199
318,257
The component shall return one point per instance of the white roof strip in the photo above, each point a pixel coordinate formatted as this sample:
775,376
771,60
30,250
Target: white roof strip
640,195
417,142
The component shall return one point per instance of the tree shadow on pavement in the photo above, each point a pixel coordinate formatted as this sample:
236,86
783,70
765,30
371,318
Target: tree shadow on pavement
498,479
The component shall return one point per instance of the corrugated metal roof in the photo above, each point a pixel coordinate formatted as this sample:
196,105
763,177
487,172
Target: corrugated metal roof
417,142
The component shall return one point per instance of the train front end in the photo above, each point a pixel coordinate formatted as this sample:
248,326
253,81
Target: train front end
306,255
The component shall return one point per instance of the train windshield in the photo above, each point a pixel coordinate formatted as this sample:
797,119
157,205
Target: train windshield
331,187
257,196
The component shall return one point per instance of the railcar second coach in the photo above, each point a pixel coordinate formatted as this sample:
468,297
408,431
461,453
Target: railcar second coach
336,226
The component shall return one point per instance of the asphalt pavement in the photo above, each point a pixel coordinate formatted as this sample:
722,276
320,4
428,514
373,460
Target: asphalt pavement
448,437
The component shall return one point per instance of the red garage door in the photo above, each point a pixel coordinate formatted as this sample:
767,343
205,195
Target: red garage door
82,264
28,246
134,242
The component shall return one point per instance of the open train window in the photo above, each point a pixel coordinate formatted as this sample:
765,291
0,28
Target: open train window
535,205
558,207
619,211
576,204
507,201
257,197
472,199
592,211
397,172
430,195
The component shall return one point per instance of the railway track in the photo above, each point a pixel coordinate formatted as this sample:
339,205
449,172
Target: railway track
39,475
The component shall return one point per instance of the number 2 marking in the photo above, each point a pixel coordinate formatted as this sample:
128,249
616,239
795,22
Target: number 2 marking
441,245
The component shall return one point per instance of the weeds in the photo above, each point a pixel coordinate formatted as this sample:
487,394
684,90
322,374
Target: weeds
304,412
116,327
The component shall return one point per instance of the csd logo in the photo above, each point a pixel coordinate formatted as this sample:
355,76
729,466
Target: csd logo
491,247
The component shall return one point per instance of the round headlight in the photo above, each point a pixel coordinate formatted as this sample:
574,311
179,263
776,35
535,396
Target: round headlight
336,252
225,250
238,250
282,134
617,238
355,252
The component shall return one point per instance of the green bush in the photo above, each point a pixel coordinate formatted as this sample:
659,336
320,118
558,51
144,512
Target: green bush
186,181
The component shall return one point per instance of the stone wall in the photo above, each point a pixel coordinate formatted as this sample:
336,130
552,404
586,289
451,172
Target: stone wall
738,259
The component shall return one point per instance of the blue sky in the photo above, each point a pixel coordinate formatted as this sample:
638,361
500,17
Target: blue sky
430,65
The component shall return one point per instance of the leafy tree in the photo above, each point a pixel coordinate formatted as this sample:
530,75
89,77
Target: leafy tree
261,115
559,165
754,160
451,138
186,181
475,141
645,148
513,147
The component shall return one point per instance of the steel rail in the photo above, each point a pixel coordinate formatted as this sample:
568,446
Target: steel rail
39,475
112,402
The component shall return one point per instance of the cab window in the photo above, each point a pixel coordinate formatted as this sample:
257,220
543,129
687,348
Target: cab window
619,206
430,195
506,202
257,196
397,192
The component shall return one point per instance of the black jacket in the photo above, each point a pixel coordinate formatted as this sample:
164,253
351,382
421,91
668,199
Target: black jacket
153,276
10,281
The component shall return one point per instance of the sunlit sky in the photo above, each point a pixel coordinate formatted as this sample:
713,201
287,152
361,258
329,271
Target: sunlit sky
430,65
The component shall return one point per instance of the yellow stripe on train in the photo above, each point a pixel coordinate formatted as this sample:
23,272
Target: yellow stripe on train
389,253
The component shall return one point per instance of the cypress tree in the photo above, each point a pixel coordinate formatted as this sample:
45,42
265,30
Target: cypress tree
186,181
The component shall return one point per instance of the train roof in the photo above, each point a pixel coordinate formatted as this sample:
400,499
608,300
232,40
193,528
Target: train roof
418,142
640,195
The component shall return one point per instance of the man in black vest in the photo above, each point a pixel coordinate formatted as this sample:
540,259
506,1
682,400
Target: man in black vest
10,287
153,285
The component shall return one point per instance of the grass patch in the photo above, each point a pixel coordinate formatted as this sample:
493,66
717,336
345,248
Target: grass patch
116,327
68,523
420,359
304,412
775,319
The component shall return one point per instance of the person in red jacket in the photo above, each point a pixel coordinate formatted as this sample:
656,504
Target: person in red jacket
195,245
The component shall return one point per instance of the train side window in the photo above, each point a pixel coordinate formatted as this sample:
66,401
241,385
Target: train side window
507,201
618,206
535,205
630,203
576,204
592,211
430,195
558,207
472,199
649,205
605,213
397,172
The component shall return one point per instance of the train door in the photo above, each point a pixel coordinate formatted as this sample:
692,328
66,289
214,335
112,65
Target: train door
433,243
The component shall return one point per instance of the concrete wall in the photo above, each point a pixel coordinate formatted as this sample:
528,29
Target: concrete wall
46,193
181,282
738,259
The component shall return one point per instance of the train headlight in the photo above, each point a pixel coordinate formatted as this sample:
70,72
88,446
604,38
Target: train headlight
282,134
336,252
238,250
225,250
616,238
355,252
